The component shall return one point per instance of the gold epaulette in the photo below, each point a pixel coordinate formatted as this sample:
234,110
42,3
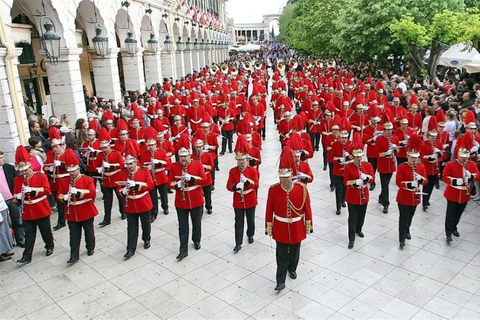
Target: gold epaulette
275,184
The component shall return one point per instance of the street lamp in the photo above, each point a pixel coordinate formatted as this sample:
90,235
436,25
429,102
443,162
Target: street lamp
202,45
188,45
130,41
179,44
50,38
152,43
196,45
100,42
168,44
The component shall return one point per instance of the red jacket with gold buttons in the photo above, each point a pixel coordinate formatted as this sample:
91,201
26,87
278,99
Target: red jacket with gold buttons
337,152
193,189
138,197
249,190
82,204
354,192
160,169
206,159
406,194
115,159
35,204
386,163
455,192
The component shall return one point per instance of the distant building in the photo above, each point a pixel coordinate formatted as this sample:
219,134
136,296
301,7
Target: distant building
254,32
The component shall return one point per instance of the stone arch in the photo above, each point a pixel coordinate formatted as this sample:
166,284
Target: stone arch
122,27
85,11
146,27
175,34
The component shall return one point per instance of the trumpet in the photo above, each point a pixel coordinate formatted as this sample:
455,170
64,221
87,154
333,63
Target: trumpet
362,188
294,63
465,179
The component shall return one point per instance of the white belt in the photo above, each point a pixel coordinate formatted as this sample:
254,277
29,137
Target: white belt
158,170
288,220
110,173
246,191
79,202
62,175
191,188
30,202
459,187
137,196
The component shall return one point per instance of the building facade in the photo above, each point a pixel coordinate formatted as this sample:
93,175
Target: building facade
254,32
190,34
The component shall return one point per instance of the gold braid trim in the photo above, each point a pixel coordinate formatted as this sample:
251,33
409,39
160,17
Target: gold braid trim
292,207
269,229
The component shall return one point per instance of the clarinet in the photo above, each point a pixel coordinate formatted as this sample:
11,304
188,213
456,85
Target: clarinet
184,172
465,179
242,197
152,166
390,148
128,191
69,196
54,168
414,168
362,190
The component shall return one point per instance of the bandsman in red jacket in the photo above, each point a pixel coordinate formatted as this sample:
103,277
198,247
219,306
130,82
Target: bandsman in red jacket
329,141
90,149
78,193
304,173
431,155
187,178
243,182
356,177
206,159
341,156
410,176
30,191
387,145
135,184
158,162
458,175
403,132
288,218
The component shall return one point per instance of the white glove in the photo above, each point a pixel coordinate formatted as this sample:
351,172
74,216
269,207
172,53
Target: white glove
139,141
390,152
73,190
26,189
106,164
124,191
52,168
342,160
359,182
91,149
19,196
394,146
180,184
414,183
240,185
100,170
358,128
130,183
417,177
57,163
474,149
207,147
459,181
243,179
436,150
187,176
346,154
65,198
468,174
155,161
363,176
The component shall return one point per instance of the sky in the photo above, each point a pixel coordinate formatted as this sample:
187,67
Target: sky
251,11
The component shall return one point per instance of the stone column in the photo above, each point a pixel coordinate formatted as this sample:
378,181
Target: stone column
65,81
10,137
153,68
107,78
195,60
201,58
180,71
167,64
188,61
133,74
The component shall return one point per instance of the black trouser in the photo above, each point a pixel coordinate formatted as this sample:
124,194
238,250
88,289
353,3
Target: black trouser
287,259
60,209
108,202
432,180
315,138
340,191
401,160
132,229
228,134
405,220
163,198
76,236
183,227
215,162
356,218
385,194
325,152
16,217
373,162
454,213
330,172
207,194
30,227
240,222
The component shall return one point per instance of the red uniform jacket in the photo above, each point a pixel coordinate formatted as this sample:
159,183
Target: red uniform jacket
304,167
92,157
195,116
120,146
455,192
337,152
354,191
158,170
249,190
206,160
403,141
116,163
288,215
193,189
315,120
325,128
386,163
138,197
406,194
224,114
430,159
82,204
60,171
35,204
370,140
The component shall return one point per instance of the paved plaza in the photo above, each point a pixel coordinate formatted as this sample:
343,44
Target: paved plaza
426,280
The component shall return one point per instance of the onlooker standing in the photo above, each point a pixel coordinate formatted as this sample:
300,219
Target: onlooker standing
6,241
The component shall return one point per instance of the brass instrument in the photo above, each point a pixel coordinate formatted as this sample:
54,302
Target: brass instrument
331,63
213,69
54,167
319,63
308,64
242,169
390,145
258,65
184,172
224,68
234,71
362,188
152,166
281,65
465,179
414,168
294,63
69,195
127,190
247,66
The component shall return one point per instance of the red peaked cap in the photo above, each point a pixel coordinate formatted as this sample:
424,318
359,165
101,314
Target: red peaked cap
107,115
184,141
257,140
388,115
137,114
469,117
432,124
71,158
150,133
373,111
93,125
414,143
414,100
122,125
242,145
103,135
130,149
158,126
295,142
397,93
21,155
441,116
467,141
297,123
357,141
54,133
287,160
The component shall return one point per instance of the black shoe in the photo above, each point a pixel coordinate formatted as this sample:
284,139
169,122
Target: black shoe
372,187
222,153
280,287
385,209
437,186
324,168
146,245
170,191
408,236
217,169
90,252
293,275
23,260
49,252
104,223
8,254
337,212
58,226
21,244
237,248
332,188
456,234
129,254
344,204
263,138
197,245
350,244
181,256
250,240
425,208
72,261
124,216
212,188
209,211
402,244
230,151
165,212
360,234
153,218
449,239
428,204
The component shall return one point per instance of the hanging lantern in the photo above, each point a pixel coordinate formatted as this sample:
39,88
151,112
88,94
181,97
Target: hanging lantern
100,42
179,44
51,41
152,43
168,44
188,45
196,45
131,43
